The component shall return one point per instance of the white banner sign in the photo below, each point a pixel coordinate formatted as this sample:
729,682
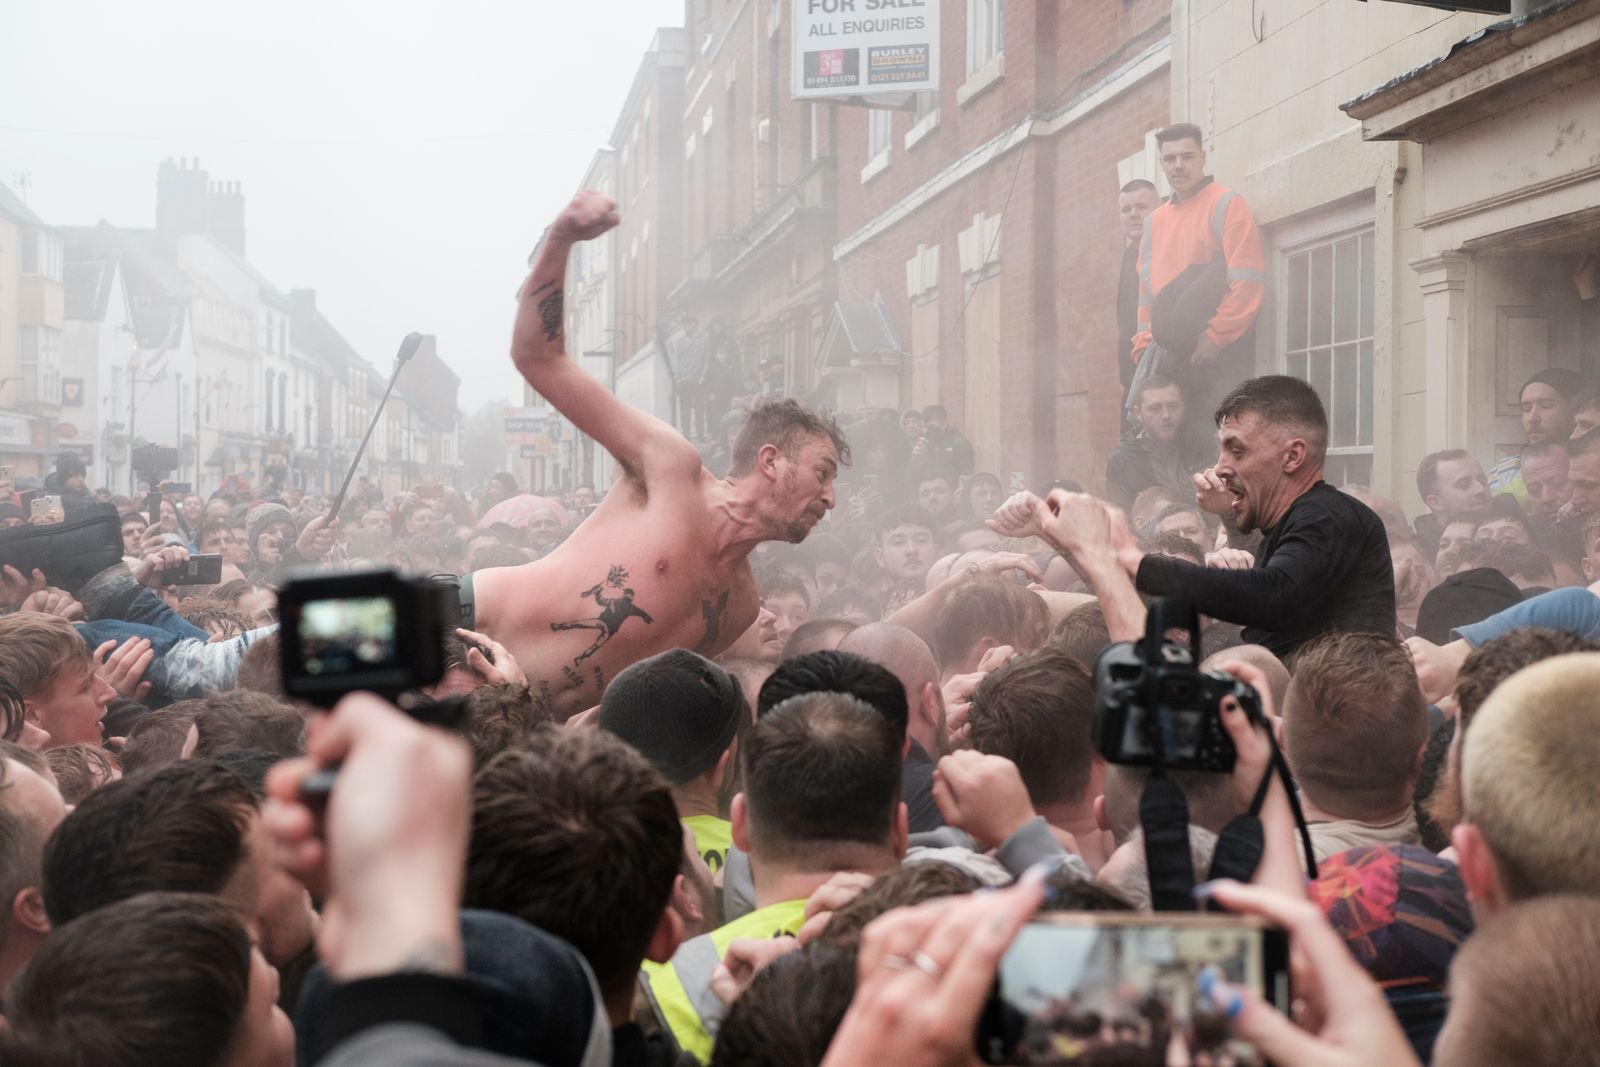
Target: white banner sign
845,48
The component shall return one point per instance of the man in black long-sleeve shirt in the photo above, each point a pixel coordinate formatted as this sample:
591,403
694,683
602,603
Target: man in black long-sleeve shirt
1324,565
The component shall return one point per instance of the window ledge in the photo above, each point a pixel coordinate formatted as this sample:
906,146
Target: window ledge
926,125
981,79
875,166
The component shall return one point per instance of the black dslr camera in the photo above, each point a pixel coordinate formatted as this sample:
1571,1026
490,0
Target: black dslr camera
1153,704
371,630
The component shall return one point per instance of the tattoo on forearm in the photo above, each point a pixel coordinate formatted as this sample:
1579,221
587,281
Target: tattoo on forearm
550,315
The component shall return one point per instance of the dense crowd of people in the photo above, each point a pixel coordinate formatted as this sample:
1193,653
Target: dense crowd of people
769,750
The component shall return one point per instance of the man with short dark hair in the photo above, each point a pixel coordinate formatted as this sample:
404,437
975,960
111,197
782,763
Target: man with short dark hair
1202,237
664,560
937,496
156,980
1449,483
194,826
576,833
1135,201
1037,710
905,546
1583,469
1354,728
1324,561
984,614
1157,454
821,795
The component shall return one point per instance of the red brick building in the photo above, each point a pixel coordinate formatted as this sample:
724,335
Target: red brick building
984,220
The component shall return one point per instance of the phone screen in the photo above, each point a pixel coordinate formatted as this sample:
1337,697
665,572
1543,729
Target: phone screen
1075,989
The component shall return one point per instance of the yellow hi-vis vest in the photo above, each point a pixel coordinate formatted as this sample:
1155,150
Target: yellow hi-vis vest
712,839
681,988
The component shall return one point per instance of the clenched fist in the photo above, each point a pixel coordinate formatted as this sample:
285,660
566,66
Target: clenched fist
588,216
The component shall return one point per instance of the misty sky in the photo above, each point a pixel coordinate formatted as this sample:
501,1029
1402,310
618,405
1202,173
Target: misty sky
399,158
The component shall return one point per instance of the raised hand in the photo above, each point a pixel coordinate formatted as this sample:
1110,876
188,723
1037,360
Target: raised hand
1211,495
150,570
983,795
1019,516
589,215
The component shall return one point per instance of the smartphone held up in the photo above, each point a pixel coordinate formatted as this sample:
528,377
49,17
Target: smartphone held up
1131,990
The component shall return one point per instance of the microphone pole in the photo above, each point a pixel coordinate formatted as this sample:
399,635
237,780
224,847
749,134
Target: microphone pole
408,348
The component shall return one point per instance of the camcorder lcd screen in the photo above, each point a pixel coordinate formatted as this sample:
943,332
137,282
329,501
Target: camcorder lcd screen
1088,991
349,636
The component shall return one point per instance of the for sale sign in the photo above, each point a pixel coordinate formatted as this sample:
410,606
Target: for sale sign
862,48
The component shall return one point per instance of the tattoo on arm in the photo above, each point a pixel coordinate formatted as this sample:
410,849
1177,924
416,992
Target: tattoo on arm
713,616
536,290
550,315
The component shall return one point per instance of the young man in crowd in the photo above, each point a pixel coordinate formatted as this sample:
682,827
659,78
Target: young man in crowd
1135,200
1037,711
937,496
1547,400
1354,730
1530,812
155,980
574,832
664,561
1450,483
1324,564
906,548
47,662
682,712
1157,455
821,795
1200,223
192,827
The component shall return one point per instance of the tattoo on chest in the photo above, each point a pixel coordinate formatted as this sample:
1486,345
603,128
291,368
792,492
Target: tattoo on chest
550,315
712,610
544,690
614,599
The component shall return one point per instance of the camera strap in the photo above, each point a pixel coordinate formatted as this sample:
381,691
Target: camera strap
1164,817
1242,842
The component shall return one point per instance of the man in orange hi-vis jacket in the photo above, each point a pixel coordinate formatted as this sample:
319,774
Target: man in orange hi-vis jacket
1200,220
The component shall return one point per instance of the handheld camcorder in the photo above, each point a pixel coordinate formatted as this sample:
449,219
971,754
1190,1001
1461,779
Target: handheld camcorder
1154,705
372,631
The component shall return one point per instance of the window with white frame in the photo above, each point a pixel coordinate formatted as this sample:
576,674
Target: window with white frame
1327,339
880,123
983,33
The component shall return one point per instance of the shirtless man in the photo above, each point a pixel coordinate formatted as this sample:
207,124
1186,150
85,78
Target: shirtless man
663,561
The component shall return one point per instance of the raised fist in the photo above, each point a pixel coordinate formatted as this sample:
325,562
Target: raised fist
588,216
